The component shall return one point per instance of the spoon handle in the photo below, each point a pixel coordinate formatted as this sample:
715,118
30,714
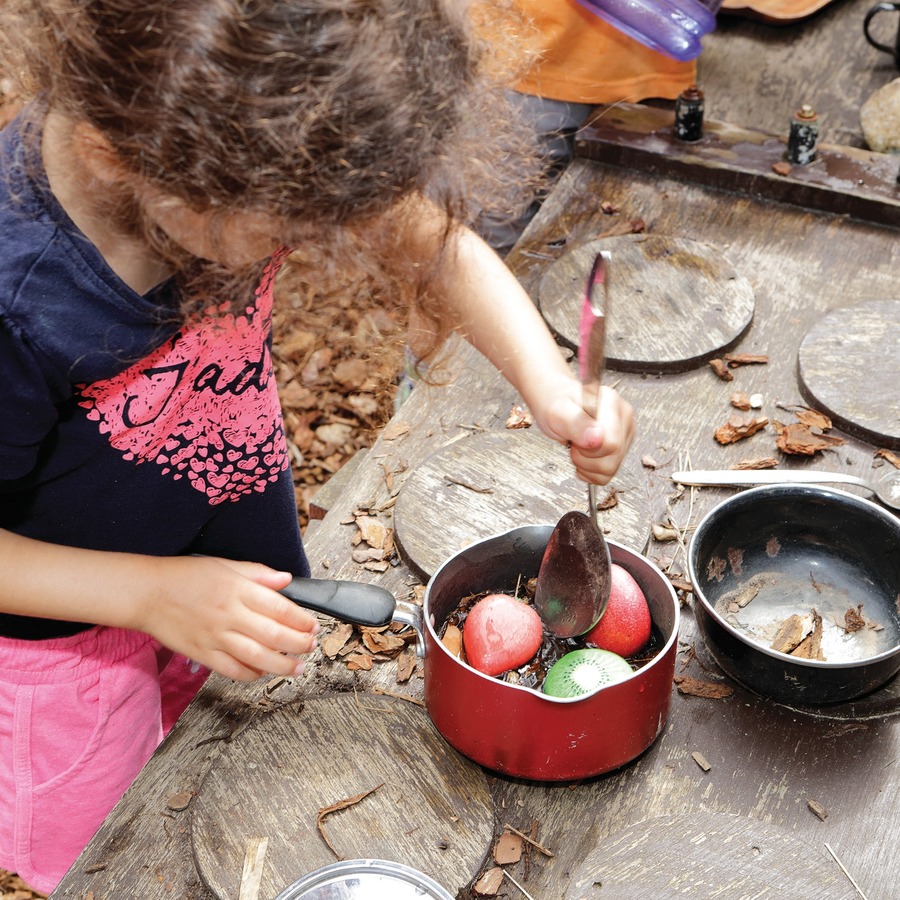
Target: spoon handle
592,333
737,477
592,348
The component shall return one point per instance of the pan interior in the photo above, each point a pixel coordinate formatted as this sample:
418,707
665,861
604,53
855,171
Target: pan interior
769,554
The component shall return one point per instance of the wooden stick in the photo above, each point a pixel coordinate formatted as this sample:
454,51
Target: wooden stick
519,886
533,843
396,696
336,807
849,876
251,877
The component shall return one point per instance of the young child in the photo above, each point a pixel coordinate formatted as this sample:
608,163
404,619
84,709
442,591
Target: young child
173,152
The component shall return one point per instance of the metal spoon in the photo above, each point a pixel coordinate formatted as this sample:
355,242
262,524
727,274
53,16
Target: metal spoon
574,579
886,489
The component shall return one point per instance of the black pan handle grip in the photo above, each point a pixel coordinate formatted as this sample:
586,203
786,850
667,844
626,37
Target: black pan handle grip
348,601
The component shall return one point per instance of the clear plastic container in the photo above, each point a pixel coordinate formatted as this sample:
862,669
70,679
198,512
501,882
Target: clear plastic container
673,27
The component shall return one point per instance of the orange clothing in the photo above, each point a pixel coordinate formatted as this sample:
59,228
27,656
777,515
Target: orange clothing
586,60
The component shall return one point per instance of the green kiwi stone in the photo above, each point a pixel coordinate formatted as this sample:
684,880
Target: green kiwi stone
583,671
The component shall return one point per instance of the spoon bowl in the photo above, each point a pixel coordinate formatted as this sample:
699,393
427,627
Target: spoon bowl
886,488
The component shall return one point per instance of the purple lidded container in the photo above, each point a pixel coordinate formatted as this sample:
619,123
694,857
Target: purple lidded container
672,27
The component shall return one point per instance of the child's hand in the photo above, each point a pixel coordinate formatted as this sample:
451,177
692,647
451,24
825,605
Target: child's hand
228,616
596,446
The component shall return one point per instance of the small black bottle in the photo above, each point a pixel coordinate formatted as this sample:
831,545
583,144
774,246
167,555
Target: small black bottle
689,115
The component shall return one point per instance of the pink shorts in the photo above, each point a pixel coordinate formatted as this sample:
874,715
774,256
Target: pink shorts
79,717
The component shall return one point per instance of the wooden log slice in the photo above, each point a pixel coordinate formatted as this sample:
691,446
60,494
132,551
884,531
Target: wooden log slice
707,854
431,809
487,483
849,367
673,303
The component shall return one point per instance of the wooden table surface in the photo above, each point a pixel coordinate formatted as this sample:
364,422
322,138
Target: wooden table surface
795,801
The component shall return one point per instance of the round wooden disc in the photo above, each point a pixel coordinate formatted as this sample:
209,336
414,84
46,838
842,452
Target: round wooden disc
705,855
674,303
849,368
431,809
487,483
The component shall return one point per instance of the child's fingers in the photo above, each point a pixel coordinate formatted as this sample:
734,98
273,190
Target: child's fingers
228,666
282,613
256,657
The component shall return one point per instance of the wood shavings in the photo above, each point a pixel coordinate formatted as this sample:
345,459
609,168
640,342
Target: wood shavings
406,666
531,841
812,418
373,532
359,662
890,456
626,226
663,532
519,417
744,359
508,849
790,633
701,761
740,400
251,875
380,640
180,801
811,645
735,429
337,807
452,640
609,500
394,430
695,687
736,560
472,487
853,619
336,640
490,883
736,600
759,462
843,868
720,367
817,809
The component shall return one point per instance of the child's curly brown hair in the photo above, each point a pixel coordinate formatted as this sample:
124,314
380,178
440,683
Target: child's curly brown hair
324,113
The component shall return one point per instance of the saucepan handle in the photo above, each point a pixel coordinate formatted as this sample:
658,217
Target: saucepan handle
357,603
349,601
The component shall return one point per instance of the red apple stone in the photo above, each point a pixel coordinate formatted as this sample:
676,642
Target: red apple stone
625,626
501,633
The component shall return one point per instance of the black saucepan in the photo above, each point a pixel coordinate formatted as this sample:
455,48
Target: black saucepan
796,592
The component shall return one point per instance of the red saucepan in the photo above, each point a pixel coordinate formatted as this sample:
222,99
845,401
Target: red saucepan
505,727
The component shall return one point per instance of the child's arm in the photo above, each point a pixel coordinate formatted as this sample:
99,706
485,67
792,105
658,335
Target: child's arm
224,614
492,310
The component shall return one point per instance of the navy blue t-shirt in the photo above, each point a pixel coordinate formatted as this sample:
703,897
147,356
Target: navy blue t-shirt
121,427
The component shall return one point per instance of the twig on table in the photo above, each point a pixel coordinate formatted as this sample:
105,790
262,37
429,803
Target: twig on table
251,877
519,886
396,696
336,807
844,870
531,841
